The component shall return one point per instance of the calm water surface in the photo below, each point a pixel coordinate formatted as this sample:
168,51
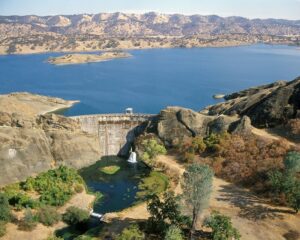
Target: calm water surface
151,79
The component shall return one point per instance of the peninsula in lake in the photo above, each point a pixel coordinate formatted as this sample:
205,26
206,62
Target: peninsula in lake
87,58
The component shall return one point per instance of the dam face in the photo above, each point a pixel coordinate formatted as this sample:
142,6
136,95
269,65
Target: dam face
116,132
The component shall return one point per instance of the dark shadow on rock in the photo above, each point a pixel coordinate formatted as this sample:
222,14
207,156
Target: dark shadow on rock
251,206
130,137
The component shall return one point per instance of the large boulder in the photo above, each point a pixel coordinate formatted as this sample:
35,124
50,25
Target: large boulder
175,123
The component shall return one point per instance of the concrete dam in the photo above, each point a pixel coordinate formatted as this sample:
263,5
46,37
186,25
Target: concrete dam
116,132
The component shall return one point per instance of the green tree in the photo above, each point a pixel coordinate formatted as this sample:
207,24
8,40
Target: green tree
5,212
292,162
197,187
222,228
48,216
173,233
164,212
152,149
75,215
131,233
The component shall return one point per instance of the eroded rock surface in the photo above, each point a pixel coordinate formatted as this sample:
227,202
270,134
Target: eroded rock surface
32,143
266,106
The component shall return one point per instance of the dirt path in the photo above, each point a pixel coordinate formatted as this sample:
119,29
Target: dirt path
265,134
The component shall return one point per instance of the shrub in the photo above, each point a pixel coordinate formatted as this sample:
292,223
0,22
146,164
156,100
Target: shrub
48,216
21,200
5,212
173,233
222,228
292,162
78,188
152,149
75,215
55,186
131,233
2,229
29,222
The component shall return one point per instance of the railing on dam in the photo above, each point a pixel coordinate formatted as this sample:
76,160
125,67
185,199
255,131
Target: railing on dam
116,132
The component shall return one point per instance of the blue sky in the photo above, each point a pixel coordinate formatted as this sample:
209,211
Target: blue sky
289,9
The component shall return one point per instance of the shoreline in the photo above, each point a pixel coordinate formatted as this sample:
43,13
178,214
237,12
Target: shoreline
139,48
58,108
128,49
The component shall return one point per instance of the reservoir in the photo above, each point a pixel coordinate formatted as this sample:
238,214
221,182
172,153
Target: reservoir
152,79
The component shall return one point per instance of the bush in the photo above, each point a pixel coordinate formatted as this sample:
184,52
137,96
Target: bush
286,183
173,233
152,149
48,216
5,212
131,233
29,222
21,200
2,229
292,162
55,186
75,215
222,228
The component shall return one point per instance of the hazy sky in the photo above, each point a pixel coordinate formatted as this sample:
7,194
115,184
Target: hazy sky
289,9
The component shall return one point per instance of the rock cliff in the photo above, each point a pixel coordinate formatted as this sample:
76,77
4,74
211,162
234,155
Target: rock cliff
266,106
31,143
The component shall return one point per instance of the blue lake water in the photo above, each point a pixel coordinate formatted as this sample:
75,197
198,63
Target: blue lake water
151,79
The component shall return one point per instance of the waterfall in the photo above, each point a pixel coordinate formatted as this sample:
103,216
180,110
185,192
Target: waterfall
132,158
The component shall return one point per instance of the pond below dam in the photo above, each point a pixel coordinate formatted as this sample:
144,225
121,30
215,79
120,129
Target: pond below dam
118,189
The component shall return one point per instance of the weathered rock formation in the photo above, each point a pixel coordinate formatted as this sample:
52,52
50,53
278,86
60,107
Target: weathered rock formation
32,143
175,123
266,106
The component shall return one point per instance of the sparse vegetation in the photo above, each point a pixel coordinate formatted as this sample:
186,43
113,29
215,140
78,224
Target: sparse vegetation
131,233
2,228
29,221
48,216
173,233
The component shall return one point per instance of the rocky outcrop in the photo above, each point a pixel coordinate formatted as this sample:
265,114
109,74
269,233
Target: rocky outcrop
266,106
32,143
174,124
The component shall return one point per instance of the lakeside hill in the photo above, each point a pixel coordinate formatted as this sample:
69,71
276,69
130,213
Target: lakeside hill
106,31
148,24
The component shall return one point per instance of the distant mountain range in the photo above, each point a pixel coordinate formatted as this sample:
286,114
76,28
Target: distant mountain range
148,24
